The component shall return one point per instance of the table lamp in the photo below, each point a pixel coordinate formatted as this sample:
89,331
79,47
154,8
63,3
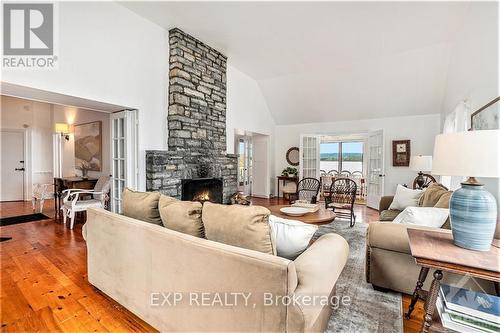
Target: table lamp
421,163
473,210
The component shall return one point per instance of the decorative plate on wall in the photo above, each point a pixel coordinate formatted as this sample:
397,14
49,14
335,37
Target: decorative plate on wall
292,156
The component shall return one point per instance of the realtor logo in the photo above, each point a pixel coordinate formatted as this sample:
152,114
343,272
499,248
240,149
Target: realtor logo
28,35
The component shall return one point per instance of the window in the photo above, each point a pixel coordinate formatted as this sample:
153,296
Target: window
341,156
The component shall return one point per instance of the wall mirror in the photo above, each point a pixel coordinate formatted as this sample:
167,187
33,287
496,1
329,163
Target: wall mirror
292,156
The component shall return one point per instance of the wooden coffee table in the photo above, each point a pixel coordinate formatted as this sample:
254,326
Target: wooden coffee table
321,216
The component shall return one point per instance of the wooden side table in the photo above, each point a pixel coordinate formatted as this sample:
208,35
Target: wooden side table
435,249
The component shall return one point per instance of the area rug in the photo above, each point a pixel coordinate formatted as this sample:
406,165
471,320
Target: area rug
369,310
22,219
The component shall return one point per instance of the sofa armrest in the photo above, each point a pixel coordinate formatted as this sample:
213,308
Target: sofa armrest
385,202
319,267
391,236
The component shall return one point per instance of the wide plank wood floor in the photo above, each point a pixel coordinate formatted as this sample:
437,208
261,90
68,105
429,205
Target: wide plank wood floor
44,286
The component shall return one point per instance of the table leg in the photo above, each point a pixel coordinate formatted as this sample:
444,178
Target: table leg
278,194
416,293
430,303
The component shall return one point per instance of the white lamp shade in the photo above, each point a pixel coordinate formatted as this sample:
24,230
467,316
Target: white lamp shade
467,154
421,163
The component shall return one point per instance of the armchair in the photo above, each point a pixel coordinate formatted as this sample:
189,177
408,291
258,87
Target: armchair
73,203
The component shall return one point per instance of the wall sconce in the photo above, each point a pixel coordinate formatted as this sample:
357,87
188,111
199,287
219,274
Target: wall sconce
64,129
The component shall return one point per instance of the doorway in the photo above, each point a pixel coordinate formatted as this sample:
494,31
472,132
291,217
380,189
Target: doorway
13,168
245,164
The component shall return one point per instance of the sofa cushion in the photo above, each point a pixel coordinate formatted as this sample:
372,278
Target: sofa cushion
291,237
181,216
426,216
244,226
405,197
432,195
389,214
141,206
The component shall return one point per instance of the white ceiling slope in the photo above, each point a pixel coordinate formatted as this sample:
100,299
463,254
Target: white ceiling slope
329,61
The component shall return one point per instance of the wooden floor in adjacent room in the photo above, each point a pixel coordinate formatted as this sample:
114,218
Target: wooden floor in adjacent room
44,283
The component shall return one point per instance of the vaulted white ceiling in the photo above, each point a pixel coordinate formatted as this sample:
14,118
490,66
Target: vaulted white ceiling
328,61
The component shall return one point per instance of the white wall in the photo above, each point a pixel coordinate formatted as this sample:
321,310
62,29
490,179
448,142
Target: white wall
246,107
70,115
421,130
247,111
109,54
474,66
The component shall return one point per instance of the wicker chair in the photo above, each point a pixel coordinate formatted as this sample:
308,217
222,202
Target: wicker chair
341,199
307,189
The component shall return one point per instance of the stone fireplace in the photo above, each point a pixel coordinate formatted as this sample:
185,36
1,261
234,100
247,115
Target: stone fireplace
196,122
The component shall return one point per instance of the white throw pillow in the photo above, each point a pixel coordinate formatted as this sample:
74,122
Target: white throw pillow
291,237
425,216
405,197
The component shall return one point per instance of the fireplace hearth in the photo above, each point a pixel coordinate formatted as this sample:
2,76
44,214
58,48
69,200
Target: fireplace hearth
202,189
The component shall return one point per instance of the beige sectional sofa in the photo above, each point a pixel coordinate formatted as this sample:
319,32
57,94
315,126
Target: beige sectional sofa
389,264
133,262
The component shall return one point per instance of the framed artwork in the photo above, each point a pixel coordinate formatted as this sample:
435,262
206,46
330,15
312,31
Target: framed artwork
401,152
487,117
88,145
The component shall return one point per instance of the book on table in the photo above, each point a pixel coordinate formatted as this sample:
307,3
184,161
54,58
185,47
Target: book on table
468,311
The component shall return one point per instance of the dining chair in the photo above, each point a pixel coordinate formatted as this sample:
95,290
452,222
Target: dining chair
341,199
73,201
41,192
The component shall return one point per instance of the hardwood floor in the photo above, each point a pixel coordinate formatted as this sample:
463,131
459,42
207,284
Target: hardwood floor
44,283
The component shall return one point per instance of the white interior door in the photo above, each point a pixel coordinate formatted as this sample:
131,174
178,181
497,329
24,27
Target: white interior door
309,156
12,165
123,155
245,165
375,176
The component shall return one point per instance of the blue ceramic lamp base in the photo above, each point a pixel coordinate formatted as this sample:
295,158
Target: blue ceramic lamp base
473,215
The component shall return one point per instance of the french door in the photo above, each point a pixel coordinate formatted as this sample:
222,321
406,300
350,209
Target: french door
245,165
124,170
309,156
375,173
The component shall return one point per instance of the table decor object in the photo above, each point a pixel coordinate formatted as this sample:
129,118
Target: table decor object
473,210
294,211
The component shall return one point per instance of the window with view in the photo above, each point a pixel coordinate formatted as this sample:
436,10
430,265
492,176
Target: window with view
341,156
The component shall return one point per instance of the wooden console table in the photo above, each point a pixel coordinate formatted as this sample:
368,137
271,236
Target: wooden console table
61,184
285,179
435,250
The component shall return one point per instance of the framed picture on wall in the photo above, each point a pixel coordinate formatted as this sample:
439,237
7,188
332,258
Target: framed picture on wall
401,152
88,145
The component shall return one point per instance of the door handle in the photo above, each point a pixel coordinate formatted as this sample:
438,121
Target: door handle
381,175
19,169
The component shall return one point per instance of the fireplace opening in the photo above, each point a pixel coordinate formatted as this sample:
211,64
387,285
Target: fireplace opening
202,189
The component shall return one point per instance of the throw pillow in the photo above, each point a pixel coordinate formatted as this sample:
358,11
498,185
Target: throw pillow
432,195
141,206
292,237
425,216
405,197
444,200
181,216
243,226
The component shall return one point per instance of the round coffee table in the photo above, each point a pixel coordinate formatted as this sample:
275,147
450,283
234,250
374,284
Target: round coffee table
321,216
